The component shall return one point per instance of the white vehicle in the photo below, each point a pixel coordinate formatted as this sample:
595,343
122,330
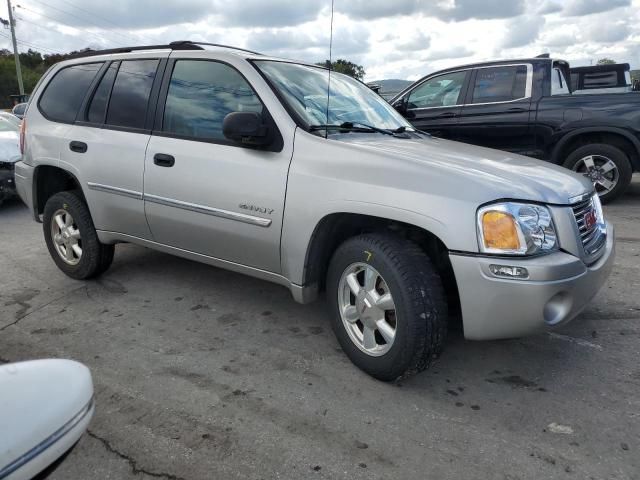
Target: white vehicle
45,407
9,155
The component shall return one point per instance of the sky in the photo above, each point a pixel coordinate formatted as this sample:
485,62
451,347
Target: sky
404,39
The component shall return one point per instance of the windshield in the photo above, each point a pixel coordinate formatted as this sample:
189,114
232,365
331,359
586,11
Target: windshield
304,89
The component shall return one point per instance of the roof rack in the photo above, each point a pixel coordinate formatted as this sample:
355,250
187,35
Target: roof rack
178,45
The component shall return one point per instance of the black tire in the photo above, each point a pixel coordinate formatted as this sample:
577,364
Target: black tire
617,156
420,305
96,257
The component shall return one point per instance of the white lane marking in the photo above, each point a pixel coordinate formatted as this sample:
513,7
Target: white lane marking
557,428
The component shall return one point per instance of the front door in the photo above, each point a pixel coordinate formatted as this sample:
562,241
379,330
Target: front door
204,193
498,112
434,105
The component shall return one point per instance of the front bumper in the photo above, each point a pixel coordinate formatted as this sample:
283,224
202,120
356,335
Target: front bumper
559,287
7,182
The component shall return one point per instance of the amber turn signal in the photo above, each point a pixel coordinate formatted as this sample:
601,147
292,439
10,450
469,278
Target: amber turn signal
500,231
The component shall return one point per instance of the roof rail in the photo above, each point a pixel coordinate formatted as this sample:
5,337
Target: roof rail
189,42
178,45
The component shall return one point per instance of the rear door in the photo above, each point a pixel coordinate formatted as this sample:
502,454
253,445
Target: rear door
498,110
434,105
204,193
108,142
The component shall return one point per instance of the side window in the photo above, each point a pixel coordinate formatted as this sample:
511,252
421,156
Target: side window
130,94
558,83
441,91
98,106
64,94
201,93
600,79
500,84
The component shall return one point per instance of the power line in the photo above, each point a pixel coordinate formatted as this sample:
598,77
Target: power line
40,14
95,35
28,44
102,18
82,19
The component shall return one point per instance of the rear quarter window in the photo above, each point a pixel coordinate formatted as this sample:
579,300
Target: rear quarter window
64,94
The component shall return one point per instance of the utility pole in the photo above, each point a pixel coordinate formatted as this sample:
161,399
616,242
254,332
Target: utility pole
12,23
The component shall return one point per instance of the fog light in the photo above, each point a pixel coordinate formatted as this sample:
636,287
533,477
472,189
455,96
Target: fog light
507,271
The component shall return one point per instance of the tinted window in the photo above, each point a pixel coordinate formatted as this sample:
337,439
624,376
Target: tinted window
201,94
500,84
440,91
66,90
98,106
130,95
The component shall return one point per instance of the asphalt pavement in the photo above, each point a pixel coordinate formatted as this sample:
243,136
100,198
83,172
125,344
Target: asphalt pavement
202,373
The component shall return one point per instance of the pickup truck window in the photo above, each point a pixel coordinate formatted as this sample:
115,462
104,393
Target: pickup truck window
558,83
63,95
201,94
441,91
303,89
500,84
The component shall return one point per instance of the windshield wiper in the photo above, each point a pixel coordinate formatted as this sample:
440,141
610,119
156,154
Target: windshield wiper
354,127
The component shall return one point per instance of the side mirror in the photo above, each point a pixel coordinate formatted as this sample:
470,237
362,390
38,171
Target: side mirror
45,407
246,128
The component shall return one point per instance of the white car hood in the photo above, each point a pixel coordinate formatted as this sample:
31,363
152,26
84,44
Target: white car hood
10,147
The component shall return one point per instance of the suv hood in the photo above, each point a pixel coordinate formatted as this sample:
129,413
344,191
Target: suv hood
481,173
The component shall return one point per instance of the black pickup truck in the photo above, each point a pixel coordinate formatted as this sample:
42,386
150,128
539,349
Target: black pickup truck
526,107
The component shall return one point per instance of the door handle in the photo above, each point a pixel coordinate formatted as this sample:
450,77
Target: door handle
517,110
78,147
447,115
164,160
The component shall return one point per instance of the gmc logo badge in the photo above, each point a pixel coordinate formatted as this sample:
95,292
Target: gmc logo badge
590,219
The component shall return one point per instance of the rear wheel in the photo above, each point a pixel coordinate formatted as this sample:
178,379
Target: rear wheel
608,168
388,306
72,239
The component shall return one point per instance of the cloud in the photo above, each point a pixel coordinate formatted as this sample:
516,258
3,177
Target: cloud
272,13
461,10
448,53
550,6
523,31
587,7
420,41
616,32
123,14
447,10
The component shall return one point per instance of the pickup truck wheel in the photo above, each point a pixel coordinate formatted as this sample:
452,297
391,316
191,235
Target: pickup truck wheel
388,307
71,237
606,166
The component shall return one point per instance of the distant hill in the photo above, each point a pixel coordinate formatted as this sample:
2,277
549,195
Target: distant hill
389,87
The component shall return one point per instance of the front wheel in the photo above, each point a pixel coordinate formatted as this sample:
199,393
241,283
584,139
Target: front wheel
606,166
72,239
388,307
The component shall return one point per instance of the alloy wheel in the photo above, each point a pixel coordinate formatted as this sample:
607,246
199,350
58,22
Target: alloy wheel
367,309
602,171
66,237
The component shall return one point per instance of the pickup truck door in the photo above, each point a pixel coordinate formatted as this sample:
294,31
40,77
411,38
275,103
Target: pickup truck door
434,105
202,192
498,111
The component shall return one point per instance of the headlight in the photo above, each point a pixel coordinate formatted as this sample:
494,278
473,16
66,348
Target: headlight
516,229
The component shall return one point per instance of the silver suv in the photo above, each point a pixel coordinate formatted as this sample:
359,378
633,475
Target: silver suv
288,173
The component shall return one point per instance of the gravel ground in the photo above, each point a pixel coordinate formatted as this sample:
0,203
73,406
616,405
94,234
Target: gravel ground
202,373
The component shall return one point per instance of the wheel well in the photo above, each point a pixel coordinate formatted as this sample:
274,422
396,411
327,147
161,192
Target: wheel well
51,180
334,229
613,139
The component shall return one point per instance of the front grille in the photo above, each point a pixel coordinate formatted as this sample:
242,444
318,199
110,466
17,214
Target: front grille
593,237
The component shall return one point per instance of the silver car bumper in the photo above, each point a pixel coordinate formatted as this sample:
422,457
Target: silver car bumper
24,183
558,288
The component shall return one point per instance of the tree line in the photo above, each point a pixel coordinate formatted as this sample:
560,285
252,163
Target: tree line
33,65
